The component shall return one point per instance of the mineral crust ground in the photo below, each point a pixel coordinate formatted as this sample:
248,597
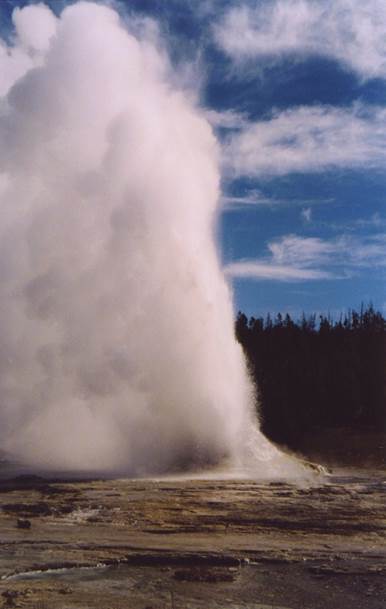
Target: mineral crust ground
193,544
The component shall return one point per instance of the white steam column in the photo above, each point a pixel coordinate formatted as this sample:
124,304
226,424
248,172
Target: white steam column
117,348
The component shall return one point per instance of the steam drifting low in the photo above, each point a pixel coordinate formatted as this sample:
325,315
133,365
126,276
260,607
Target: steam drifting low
117,346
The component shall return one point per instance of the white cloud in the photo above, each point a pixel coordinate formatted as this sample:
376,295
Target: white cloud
352,32
296,258
309,139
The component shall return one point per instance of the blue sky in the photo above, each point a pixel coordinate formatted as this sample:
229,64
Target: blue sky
296,91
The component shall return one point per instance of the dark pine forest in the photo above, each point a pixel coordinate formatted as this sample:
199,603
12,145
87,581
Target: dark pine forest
317,373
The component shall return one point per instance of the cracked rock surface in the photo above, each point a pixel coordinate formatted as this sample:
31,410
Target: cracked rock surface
187,544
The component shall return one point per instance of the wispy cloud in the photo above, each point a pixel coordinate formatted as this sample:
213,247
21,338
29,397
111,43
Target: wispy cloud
309,139
305,251
296,258
252,198
368,253
227,119
306,214
344,251
352,32
258,269
376,220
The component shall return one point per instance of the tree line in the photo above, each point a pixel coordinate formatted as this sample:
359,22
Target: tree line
317,372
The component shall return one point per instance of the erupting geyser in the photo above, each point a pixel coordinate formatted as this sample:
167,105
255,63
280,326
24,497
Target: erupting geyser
117,345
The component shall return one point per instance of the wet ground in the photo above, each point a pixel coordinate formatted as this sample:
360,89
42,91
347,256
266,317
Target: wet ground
181,544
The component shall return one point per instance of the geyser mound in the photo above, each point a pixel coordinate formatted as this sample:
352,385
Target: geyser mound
117,343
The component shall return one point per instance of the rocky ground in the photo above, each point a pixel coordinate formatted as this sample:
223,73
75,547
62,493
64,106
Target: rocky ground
181,544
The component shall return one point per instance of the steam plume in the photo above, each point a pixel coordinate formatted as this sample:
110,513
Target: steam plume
117,349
